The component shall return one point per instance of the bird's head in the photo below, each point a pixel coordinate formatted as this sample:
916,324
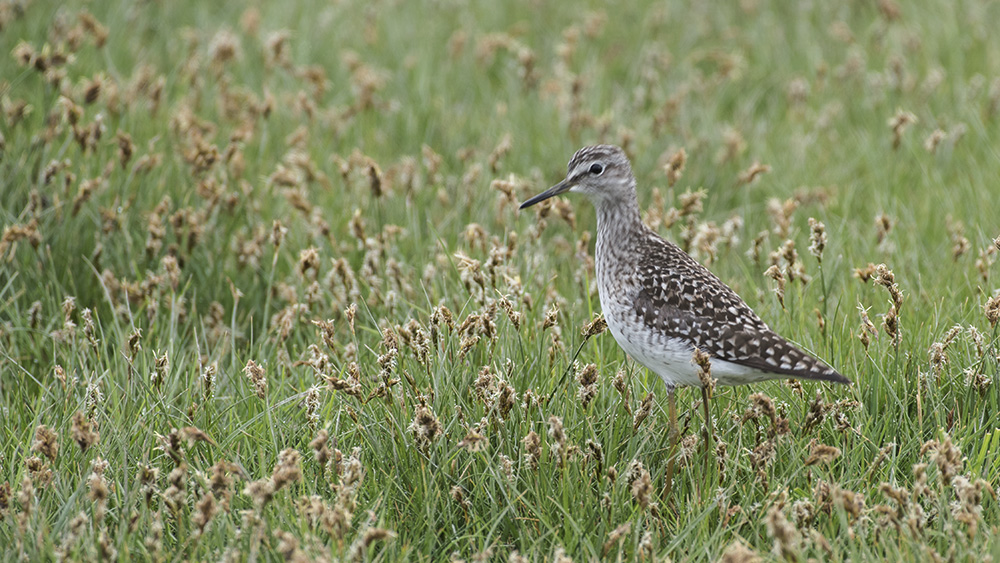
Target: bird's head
601,172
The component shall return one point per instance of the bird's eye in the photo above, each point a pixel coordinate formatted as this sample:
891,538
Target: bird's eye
596,169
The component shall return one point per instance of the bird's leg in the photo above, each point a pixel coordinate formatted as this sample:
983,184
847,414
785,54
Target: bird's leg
709,436
672,415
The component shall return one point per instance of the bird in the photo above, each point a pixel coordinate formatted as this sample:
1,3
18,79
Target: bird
660,304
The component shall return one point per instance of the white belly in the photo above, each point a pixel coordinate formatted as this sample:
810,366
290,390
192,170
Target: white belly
671,358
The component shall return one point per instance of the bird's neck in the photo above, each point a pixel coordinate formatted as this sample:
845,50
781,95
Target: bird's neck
616,220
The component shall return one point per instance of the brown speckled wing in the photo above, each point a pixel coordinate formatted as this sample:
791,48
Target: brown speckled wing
680,298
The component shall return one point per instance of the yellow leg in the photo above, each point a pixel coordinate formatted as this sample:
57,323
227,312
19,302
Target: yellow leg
709,439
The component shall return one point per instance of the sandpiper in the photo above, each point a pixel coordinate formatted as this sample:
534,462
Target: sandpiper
660,303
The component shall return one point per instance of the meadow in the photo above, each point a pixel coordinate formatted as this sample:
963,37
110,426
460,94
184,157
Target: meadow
266,294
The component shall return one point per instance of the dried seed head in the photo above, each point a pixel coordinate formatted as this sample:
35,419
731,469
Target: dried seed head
171,270
83,431
866,273
890,323
887,279
817,412
365,540
763,406
849,501
821,453
474,442
675,166
288,469
458,495
375,178
595,453
704,363
134,344
775,273
205,510
946,456
320,447
312,403
558,436
738,552
224,47
883,224
594,327
24,54
89,329
933,140
691,202
532,448
786,536
977,380
260,492
817,238
643,411
255,373
587,378
278,232
501,150
46,442
867,327
938,350
99,491
308,266
616,536
551,316
641,484
208,378
426,427
751,174
899,123
687,448
992,309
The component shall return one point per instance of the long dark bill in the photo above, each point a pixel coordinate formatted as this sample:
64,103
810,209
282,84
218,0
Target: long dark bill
555,190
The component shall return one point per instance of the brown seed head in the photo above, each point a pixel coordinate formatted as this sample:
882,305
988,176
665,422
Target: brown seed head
551,316
704,363
260,491
288,469
255,373
751,173
558,436
786,537
426,427
821,453
205,510
992,309
642,486
595,327
83,431
817,238
775,273
46,442
899,123
474,442
643,411
532,448
675,166
738,552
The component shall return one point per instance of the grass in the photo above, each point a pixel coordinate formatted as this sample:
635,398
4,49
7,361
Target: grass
188,188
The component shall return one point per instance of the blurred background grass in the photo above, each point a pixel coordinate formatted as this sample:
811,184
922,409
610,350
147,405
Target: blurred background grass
149,150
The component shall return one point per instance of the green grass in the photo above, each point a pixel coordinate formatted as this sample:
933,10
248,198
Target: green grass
421,95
